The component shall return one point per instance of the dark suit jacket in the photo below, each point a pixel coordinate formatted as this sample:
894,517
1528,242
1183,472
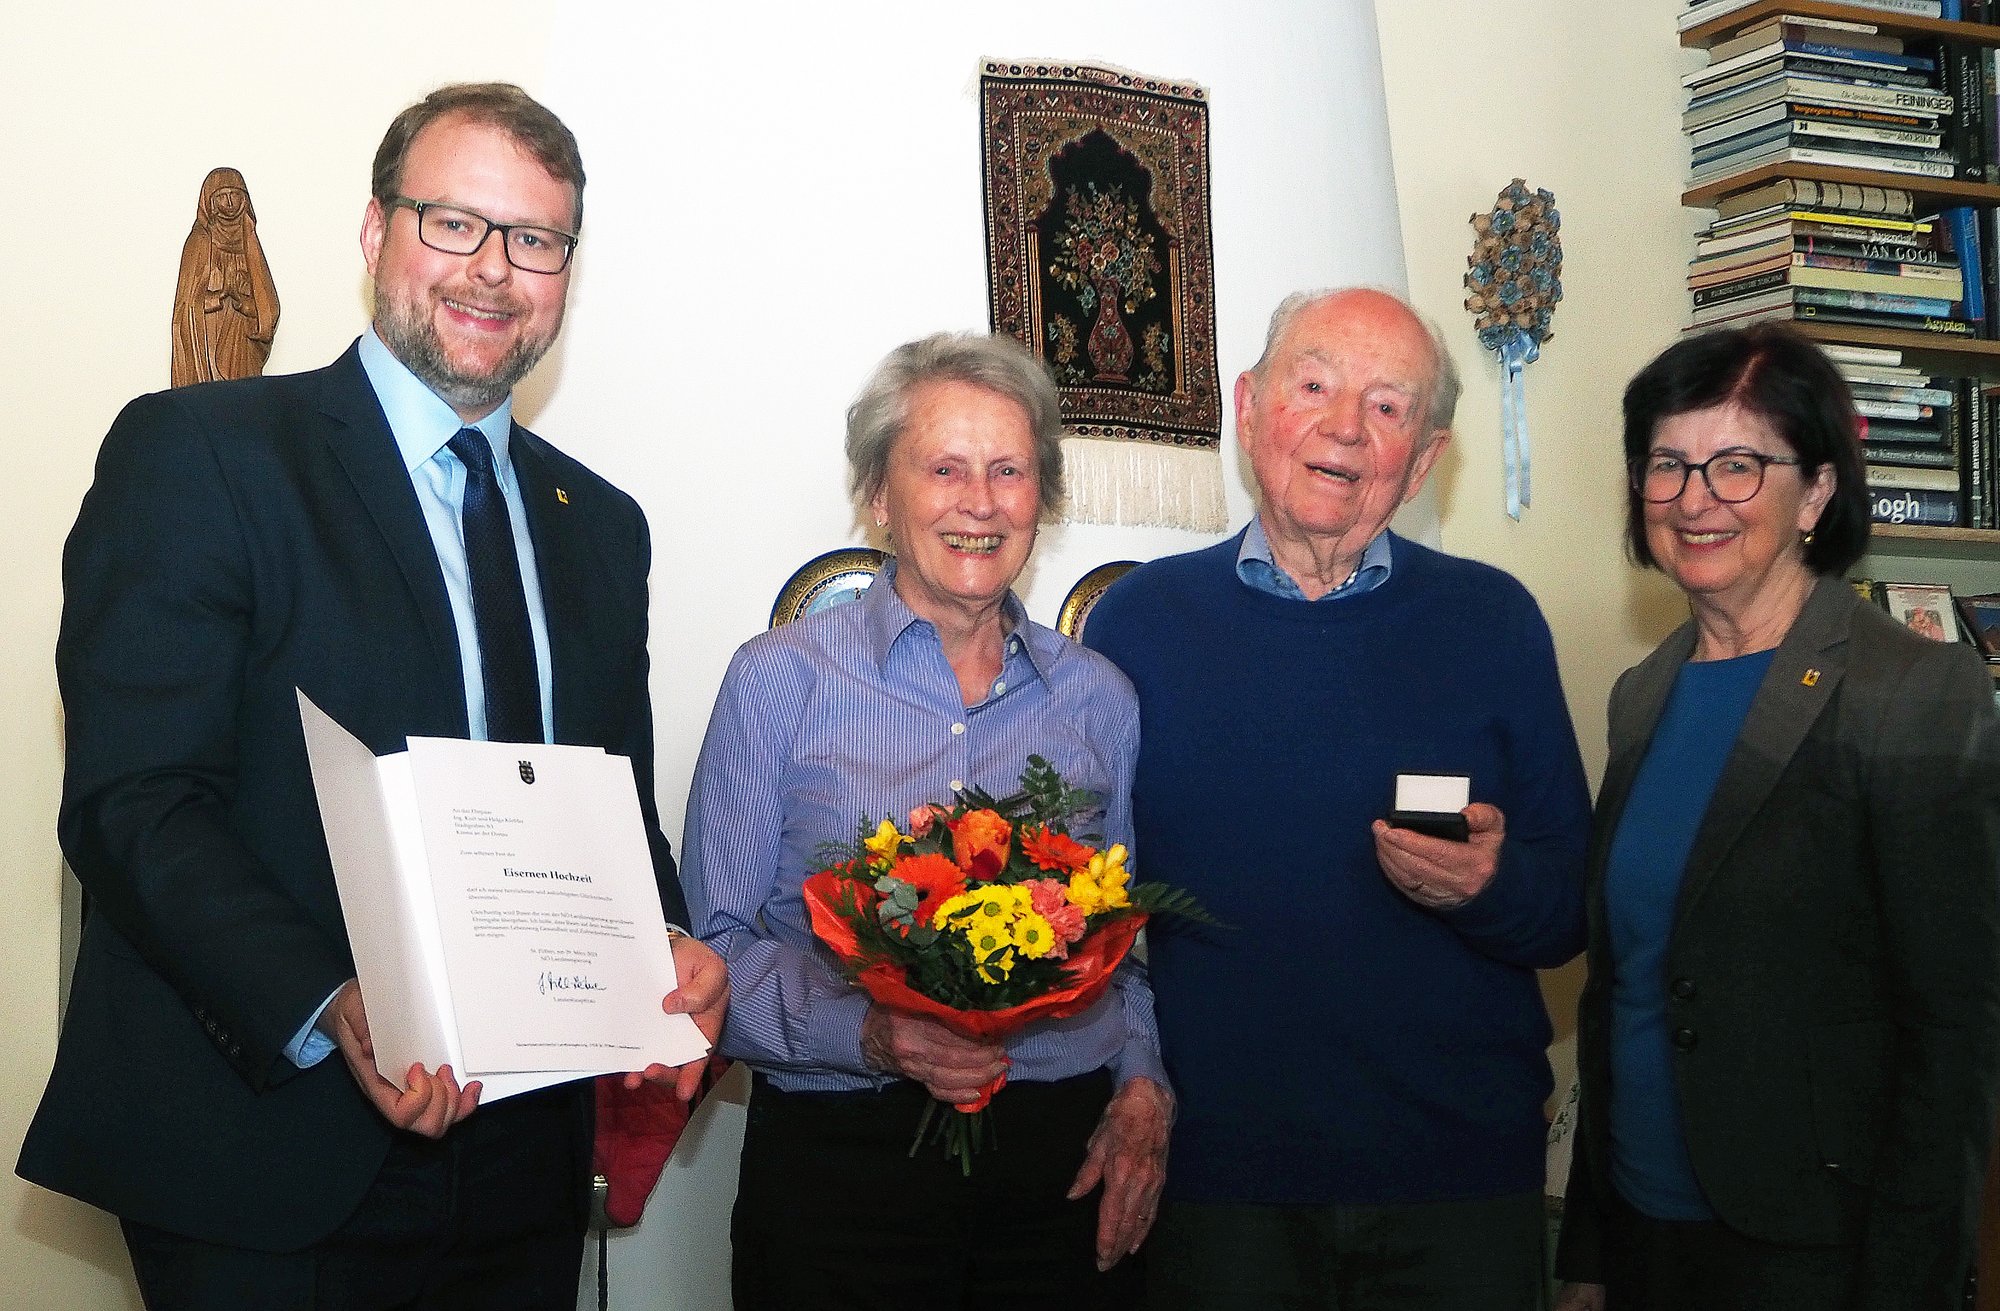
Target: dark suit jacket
1833,972
242,538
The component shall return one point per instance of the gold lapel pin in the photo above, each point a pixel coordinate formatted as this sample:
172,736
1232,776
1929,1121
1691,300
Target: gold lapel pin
1810,678
562,496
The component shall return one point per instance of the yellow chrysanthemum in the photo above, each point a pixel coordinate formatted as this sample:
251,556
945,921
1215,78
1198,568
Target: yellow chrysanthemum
1033,935
995,969
989,903
953,908
882,848
989,940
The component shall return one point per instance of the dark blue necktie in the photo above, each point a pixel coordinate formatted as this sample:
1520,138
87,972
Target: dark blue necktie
499,607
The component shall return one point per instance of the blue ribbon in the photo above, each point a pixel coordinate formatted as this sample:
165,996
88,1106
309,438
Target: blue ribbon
1517,351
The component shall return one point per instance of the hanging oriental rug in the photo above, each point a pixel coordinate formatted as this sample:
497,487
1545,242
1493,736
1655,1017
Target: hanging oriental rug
1099,261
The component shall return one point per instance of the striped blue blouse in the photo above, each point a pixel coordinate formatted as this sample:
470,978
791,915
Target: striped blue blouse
855,712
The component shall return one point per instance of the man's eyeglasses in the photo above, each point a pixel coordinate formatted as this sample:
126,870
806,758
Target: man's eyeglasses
1732,476
458,231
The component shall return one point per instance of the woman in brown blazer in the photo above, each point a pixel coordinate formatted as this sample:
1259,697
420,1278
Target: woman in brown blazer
1790,1037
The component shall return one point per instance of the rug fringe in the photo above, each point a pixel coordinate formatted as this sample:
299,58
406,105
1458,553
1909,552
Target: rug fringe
1143,484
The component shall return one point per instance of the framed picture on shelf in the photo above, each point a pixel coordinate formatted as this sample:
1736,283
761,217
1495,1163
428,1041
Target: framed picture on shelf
1923,608
1981,615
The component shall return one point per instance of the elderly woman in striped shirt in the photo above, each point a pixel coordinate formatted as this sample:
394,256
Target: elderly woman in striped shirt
935,680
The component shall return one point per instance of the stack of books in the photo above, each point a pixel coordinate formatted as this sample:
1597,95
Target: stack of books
1831,252
1926,440
1794,90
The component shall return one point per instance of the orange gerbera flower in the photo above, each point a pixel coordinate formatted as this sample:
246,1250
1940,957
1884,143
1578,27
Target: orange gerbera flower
931,875
979,839
1053,851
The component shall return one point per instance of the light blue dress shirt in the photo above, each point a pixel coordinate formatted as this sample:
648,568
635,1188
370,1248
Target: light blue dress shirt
855,711
422,423
1258,569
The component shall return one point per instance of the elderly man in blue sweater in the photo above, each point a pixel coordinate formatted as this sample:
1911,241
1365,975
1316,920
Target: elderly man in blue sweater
1361,1058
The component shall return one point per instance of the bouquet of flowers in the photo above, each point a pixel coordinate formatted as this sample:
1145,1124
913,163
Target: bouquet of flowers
985,915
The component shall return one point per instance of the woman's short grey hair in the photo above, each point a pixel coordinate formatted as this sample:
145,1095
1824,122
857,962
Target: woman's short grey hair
1441,398
997,363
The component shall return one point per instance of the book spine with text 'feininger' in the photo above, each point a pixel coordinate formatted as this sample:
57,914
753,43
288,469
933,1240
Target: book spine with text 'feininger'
1705,109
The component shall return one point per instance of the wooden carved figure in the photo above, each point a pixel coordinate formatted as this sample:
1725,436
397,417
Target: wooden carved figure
225,305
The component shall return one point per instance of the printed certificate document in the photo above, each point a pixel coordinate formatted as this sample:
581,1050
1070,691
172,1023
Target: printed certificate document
500,902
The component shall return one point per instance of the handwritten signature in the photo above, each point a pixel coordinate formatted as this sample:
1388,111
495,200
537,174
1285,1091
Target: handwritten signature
553,982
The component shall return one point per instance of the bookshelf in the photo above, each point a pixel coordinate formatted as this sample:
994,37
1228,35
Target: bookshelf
1704,35
1944,355
1715,29
1966,558
1919,533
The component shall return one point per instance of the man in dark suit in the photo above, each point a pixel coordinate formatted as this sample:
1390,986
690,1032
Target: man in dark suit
337,531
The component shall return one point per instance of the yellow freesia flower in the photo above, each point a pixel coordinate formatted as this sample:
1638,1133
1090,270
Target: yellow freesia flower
882,848
1101,886
1083,892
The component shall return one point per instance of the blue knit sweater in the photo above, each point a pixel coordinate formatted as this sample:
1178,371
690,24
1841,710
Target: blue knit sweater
1340,1044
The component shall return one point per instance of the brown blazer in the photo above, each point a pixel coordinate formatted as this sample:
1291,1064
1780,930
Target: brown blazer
1833,973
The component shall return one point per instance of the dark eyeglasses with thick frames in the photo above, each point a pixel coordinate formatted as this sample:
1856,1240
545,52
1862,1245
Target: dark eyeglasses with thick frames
456,231
1733,477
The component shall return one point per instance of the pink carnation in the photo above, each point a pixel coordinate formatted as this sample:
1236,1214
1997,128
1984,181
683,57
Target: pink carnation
1050,900
921,819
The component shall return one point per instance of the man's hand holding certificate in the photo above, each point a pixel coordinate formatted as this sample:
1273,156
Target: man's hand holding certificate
505,922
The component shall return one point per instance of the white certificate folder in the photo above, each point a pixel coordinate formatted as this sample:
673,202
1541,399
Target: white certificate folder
501,908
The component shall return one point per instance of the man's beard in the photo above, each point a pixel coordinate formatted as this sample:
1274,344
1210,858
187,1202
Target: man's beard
412,338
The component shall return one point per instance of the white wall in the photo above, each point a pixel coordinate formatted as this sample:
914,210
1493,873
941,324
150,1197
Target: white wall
778,195
774,203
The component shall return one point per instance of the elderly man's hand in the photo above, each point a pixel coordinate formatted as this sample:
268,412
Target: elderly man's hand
1128,1155
1436,872
703,995
951,1068
428,1105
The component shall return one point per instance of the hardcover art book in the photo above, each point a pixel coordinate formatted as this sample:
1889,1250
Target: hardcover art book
1923,608
1981,617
